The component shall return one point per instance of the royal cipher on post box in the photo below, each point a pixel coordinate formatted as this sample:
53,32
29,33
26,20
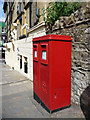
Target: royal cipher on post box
52,71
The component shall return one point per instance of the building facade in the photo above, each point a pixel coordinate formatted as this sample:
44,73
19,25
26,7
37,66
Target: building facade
23,23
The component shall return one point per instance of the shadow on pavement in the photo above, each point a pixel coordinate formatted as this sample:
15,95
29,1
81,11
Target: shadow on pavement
85,102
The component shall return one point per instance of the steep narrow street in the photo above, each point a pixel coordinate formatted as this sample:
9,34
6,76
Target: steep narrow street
18,102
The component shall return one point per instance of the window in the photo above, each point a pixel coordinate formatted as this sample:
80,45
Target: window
25,65
20,62
30,14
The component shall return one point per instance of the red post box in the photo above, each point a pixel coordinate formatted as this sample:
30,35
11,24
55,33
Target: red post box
52,71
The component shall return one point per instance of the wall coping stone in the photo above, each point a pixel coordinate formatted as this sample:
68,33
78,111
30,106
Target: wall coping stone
36,27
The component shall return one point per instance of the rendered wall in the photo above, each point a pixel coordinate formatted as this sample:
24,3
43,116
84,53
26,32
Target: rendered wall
24,48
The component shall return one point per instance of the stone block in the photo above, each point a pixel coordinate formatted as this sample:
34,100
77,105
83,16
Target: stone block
76,55
78,76
65,21
75,87
76,16
56,25
87,38
87,75
61,24
77,97
71,20
83,84
75,46
87,31
85,65
76,37
72,99
88,24
77,81
83,46
84,55
77,63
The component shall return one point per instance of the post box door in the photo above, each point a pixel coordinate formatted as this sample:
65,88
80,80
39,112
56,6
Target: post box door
44,73
36,68
60,74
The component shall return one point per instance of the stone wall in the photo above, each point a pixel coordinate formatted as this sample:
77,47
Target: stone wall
78,27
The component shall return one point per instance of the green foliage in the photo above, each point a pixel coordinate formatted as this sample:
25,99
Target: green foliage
57,9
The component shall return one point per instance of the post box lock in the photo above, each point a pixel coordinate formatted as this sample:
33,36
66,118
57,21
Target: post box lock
55,96
43,84
44,87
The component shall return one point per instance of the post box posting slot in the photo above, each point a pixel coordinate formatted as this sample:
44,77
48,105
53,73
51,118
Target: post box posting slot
35,52
44,53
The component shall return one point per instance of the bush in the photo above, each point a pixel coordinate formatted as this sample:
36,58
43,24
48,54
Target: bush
57,9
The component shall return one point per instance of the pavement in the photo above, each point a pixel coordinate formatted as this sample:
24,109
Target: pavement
18,102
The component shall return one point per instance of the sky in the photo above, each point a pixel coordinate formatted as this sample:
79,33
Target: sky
2,15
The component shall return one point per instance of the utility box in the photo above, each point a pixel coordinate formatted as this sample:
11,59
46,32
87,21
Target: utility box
52,71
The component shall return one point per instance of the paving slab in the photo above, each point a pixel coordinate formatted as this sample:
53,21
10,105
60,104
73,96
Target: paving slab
11,76
18,102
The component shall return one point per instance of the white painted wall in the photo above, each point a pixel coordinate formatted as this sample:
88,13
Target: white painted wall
25,47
